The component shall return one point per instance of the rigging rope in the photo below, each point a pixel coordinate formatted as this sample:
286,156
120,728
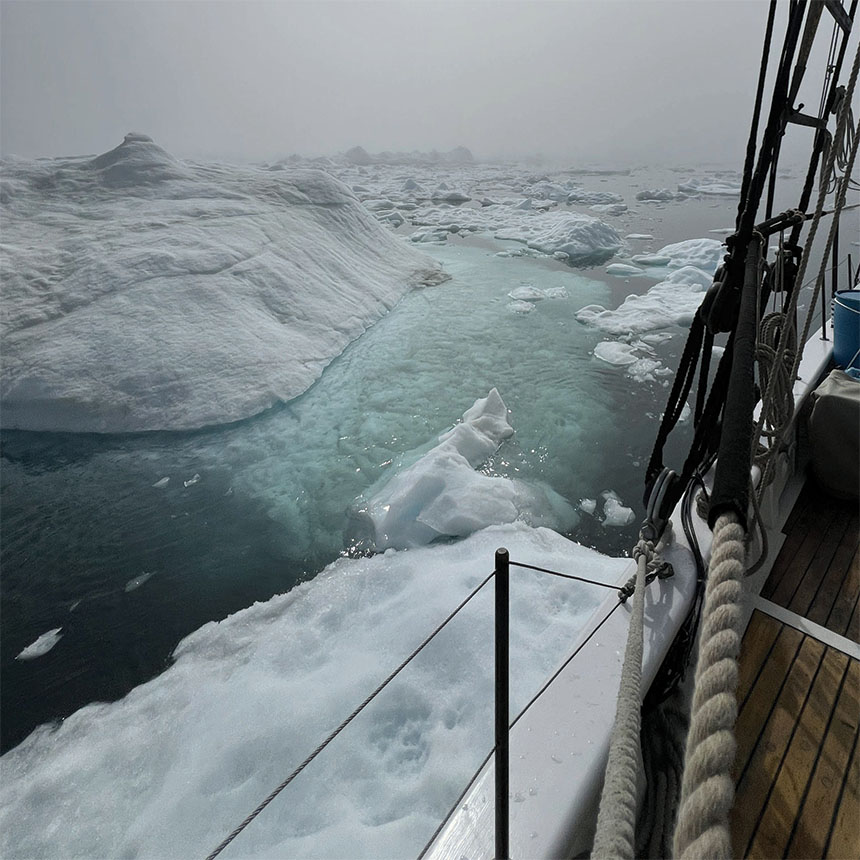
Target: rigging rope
616,820
708,788
769,395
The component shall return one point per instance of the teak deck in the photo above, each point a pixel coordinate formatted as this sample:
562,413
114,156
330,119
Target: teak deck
798,765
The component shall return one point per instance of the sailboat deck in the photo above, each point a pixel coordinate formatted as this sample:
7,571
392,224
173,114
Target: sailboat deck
797,767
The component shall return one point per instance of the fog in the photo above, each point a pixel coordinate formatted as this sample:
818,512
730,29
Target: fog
597,82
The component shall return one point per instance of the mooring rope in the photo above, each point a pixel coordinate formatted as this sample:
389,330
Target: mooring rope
708,789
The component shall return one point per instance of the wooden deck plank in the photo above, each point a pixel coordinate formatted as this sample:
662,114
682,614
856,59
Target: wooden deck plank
756,709
796,568
754,786
755,650
801,527
816,572
844,841
786,798
840,618
833,583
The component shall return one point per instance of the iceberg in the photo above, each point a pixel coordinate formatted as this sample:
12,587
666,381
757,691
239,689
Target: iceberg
141,293
581,237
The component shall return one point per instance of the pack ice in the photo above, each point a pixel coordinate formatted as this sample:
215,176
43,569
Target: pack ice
144,293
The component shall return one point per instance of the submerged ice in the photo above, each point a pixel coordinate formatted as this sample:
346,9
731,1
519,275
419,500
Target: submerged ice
146,294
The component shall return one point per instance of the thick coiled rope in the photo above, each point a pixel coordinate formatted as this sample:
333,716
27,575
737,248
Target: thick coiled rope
708,789
616,820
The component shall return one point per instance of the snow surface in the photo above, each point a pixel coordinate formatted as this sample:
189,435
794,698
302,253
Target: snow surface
170,769
141,293
441,495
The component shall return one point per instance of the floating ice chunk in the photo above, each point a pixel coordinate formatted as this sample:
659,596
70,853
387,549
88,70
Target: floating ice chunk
709,186
524,205
137,581
42,645
613,352
656,338
161,482
615,514
642,236
441,494
411,185
722,230
651,259
191,481
520,307
556,293
623,270
579,236
658,195
703,253
527,293
609,208
690,276
451,196
594,198
378,205
588,505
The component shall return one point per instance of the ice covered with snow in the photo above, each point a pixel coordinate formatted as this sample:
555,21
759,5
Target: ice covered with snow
581,237
673,301
442,495
141,293
527,293
623,270
594,198
636,359
42,645
703,253
170,769
655,195
711,186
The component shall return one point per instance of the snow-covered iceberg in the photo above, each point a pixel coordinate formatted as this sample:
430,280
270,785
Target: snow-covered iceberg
441,495
141,293
580,237
170,769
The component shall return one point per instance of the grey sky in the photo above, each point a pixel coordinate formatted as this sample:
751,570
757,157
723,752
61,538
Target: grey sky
587,80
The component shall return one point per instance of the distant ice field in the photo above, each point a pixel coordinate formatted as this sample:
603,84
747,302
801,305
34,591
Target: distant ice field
116,547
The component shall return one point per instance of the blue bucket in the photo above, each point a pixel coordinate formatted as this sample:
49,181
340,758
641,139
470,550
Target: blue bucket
846,328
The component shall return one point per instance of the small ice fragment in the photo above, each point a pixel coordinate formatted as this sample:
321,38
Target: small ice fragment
162,482
132,584
41,646
643,236
520,307
527,293
555,293
623,270
193,480
588,505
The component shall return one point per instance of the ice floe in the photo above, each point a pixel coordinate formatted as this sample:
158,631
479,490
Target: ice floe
165,295
170,769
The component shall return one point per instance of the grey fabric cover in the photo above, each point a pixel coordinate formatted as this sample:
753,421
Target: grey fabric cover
834,432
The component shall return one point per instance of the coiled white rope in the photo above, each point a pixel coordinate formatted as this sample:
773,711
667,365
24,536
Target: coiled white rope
707,791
